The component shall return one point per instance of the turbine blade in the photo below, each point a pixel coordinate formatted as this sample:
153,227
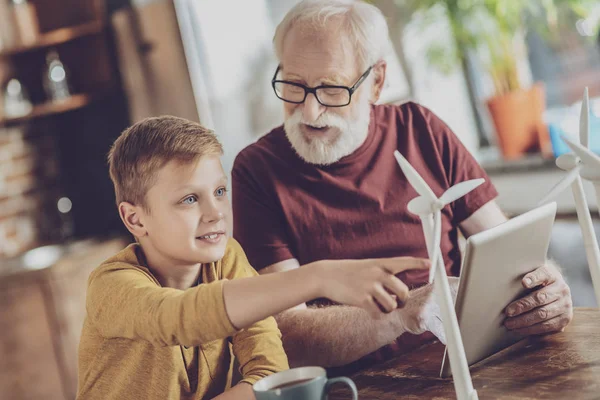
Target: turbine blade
584,120
561,185
459,190
419,206
414,178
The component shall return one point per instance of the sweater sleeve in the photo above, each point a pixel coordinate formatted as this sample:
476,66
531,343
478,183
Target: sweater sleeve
124,302
258,348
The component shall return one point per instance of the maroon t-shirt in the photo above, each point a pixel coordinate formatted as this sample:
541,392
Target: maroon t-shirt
355,208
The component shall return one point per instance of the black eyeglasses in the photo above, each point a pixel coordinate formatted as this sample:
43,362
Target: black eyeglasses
327,95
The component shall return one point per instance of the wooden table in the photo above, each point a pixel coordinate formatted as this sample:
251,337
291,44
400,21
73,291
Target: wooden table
560,366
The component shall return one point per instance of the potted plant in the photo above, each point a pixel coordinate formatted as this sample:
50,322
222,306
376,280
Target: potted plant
494,31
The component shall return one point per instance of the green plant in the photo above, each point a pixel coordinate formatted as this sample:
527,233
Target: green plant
489,29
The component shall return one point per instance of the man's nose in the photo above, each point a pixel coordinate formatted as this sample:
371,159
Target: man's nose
311,108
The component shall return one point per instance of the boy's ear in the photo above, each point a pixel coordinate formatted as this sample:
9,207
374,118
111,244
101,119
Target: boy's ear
132,218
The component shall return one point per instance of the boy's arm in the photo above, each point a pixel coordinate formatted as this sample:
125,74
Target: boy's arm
370,284
123,301
241,391
258,348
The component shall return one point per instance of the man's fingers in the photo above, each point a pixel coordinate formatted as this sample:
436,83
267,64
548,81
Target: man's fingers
397,288
555,324
537,315
543,276
533,300
400,264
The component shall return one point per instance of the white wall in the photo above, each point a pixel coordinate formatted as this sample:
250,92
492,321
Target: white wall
231,61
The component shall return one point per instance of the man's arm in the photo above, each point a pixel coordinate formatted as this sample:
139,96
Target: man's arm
487,217
338,335
547,309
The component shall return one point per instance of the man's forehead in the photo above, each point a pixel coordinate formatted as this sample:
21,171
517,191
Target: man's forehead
333,75
318,54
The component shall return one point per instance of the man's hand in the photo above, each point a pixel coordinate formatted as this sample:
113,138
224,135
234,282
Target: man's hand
546,310
370,284
422,312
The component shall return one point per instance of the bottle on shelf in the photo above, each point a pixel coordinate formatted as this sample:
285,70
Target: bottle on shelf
56,77
66,228
16,100
26,21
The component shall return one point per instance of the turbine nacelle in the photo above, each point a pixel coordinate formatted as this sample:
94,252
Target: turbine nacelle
422,206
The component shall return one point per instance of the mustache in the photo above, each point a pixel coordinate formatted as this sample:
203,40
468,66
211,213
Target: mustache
325,119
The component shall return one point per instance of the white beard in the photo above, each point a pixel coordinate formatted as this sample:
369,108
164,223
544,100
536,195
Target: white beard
325,151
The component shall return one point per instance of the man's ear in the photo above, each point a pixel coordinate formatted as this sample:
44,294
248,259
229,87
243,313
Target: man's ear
132,216
379,80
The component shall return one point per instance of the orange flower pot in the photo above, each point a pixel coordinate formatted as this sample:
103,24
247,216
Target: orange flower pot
518,119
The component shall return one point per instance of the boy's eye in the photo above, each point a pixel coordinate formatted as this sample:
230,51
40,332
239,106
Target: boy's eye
189,200
222,191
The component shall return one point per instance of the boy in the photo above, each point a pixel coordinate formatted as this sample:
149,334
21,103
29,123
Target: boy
167,313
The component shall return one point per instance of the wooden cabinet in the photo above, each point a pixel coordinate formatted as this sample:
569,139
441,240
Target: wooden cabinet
41,316
79,129
76,30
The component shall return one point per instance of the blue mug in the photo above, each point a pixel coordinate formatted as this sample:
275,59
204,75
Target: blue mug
305,383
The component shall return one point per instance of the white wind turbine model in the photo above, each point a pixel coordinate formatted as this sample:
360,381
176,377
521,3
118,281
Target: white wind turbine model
582,163
428,207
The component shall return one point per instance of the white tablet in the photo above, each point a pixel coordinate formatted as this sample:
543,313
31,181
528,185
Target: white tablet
494,264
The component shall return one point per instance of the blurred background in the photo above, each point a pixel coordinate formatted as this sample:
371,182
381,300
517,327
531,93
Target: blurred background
507,76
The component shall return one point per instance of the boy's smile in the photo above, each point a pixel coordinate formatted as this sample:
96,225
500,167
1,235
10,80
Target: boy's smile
212,237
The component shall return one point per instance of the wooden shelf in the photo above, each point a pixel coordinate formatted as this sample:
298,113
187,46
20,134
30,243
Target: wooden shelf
55,37
50,108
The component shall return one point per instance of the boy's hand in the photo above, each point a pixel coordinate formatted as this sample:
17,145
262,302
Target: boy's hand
370,284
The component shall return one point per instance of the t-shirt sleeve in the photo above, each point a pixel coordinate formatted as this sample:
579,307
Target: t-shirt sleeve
123,302
258,348
459,166
258,222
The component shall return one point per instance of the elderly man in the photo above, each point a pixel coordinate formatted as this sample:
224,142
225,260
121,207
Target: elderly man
325,185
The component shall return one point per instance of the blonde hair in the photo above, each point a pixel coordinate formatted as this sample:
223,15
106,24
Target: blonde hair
144,148
364,25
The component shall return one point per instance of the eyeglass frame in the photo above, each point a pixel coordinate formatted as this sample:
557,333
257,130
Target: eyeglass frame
313,90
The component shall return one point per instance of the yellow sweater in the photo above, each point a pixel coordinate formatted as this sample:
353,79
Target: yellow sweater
133,344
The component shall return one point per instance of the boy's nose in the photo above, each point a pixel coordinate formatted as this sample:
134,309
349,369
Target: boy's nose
211,212
212,216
